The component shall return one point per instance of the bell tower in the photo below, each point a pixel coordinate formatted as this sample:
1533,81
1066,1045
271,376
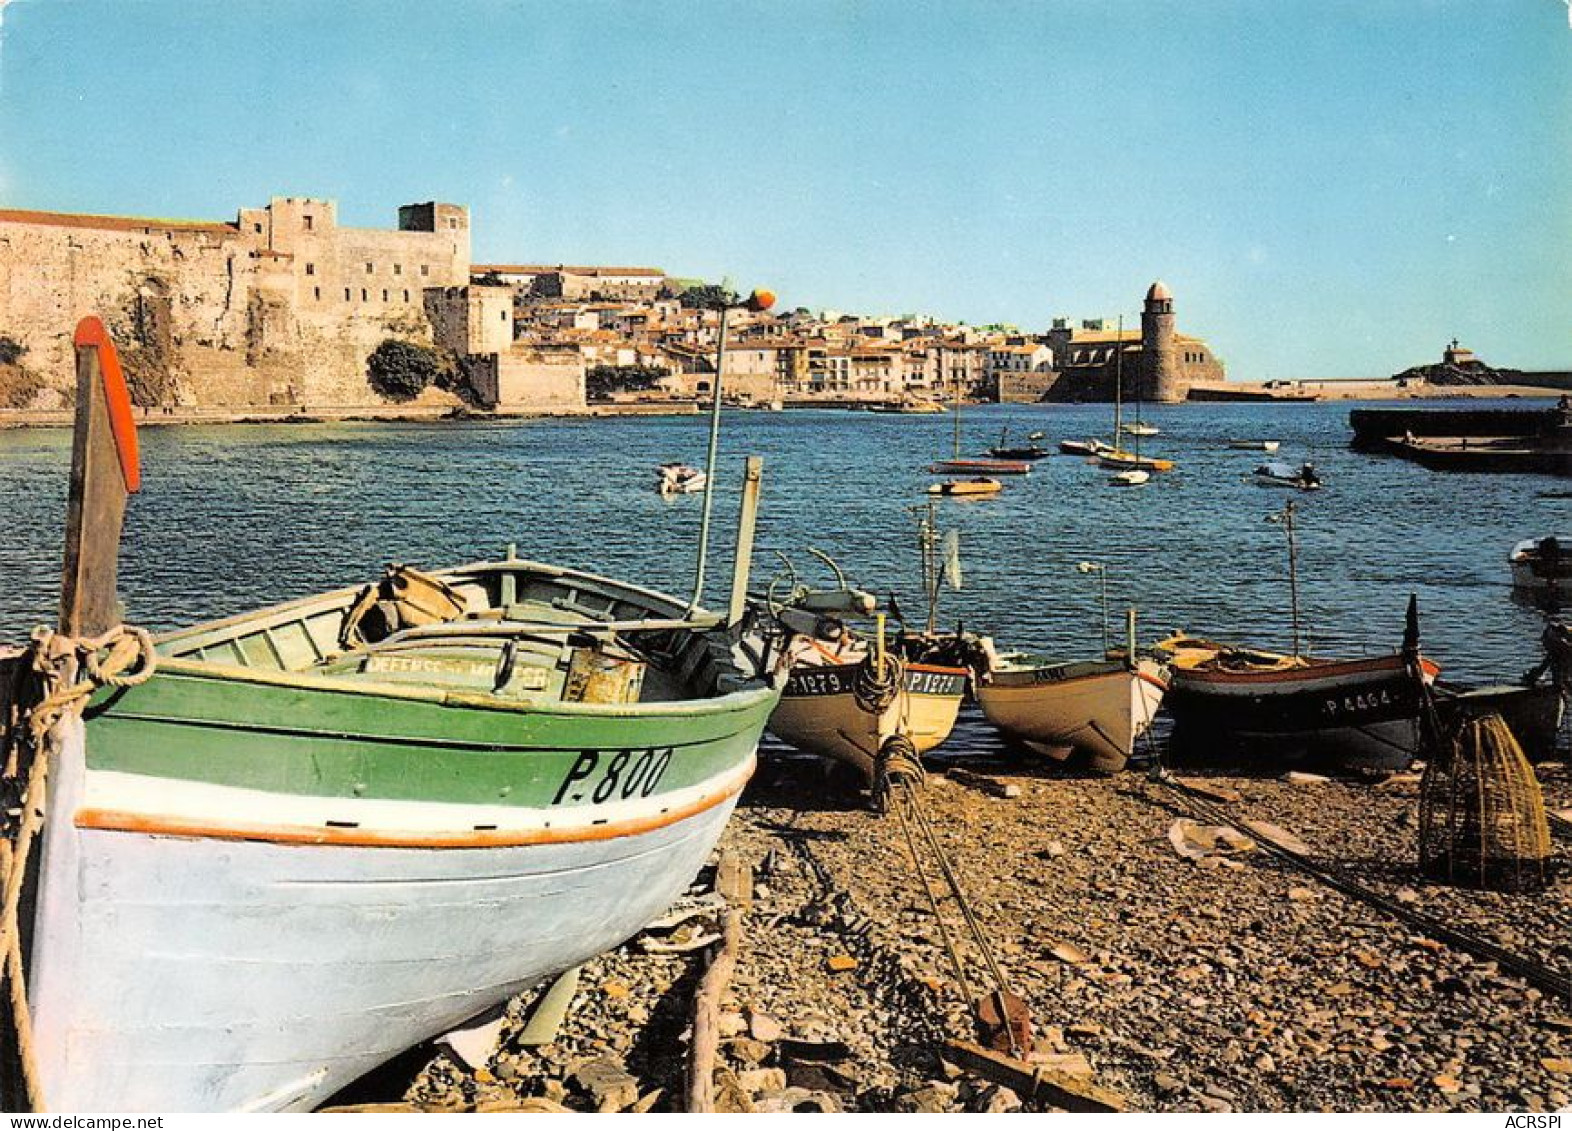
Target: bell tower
1160,378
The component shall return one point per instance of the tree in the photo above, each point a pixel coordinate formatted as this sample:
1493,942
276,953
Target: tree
601,381
711,296
399,370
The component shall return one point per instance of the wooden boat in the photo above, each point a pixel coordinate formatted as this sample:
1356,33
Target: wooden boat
1083,447
679,479
1303,478
1542,566
1135,477
822,712
296,842
1119,460
982,485
1031,450
1056,707
1268,708
1268,446
980,467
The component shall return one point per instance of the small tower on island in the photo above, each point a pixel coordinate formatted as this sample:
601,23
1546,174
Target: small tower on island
1160,377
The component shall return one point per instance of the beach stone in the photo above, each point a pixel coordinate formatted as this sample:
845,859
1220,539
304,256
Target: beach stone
758,1080
746,1050
1167,1084
607,1082
731,1024
730,1096
996,1098
931,1097
763,1027
1561,1065
1011,792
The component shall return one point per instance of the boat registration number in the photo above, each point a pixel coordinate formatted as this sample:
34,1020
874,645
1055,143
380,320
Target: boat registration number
605,775
1359,703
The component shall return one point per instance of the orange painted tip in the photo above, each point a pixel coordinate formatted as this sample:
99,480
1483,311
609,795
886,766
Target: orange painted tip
761,300
90,333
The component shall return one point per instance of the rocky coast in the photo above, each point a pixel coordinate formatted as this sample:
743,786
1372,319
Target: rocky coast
1223,981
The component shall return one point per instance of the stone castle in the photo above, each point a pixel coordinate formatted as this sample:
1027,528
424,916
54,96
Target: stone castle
281,307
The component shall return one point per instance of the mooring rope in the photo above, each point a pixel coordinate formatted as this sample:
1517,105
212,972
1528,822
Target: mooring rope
899,779
59,659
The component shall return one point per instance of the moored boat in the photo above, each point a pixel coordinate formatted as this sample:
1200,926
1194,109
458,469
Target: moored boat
1542,566
1082,447
1268,446
1275,474
980,467
967,488
1119,460
1135,477
1141,429
1031,450
1056,707
679,479
1269,708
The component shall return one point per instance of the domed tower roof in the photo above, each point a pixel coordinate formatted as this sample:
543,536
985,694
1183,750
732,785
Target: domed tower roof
1159,292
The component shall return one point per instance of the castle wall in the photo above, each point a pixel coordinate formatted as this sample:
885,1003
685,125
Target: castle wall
282,306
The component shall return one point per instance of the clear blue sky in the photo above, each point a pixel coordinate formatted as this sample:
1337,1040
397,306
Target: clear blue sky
1330,187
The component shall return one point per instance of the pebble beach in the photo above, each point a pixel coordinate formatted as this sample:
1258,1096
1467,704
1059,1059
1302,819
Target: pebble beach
1225,982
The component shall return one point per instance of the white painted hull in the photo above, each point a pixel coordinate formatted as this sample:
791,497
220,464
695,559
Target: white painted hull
191,973
1101,713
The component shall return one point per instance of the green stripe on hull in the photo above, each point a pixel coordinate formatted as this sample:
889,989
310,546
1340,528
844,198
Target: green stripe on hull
329,742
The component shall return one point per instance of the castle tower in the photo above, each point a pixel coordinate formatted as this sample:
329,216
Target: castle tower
1160,377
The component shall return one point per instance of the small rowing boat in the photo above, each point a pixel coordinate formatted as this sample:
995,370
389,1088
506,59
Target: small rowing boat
967,488
980,467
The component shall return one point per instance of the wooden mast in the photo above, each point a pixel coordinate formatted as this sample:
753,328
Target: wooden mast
105,468
1118,382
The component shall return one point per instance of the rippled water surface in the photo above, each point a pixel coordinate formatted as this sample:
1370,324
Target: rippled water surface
239,516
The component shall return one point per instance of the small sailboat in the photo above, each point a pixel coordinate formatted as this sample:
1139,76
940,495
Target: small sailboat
1115,458
1268,446
1140,429
1276,474
679,479
967,488
1135,477
957,465
1083,447
1031,450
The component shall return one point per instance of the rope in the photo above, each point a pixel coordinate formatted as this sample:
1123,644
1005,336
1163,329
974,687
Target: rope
58,659
875,686
899,778
1531,970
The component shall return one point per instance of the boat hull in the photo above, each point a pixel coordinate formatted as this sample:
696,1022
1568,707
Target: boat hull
1096,708
981,467
254,892
1359,714
819,714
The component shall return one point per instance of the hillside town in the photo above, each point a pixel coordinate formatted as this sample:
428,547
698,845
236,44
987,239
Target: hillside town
285,310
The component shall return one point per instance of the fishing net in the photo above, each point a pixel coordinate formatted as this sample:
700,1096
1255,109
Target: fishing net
1481,813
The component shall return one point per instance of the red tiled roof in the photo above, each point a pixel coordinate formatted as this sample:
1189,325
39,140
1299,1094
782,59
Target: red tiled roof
114,223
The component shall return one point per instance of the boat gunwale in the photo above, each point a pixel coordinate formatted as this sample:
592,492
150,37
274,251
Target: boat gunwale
1310,671
740,699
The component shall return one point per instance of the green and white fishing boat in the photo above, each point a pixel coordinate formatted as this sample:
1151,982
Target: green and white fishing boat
280,848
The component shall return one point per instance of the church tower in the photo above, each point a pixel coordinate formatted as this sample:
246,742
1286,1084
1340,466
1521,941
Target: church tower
1160,378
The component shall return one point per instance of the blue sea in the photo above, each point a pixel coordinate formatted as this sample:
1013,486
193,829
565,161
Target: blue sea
237,516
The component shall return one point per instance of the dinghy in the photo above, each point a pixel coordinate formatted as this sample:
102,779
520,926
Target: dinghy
967,488
1056,707
1542,566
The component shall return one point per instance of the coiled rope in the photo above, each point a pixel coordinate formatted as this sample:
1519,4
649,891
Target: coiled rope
877,682
58,660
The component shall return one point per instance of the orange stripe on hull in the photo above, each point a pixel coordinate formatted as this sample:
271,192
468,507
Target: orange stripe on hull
116,821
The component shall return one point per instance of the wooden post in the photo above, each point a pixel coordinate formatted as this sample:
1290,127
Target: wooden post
752,481
104,471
